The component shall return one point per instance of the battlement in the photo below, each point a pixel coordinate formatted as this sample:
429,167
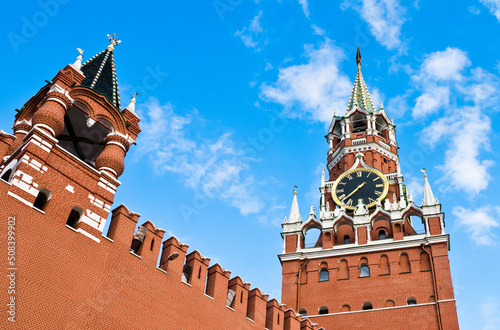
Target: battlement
131,271
197,278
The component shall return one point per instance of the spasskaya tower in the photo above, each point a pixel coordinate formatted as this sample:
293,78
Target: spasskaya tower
369,267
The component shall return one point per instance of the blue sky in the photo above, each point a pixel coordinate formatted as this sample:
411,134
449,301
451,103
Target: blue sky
235,101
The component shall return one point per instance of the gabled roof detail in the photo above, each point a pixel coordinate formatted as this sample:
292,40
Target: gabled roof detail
100,74
311,222
360,97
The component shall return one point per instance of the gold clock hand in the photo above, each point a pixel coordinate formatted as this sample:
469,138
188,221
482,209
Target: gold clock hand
352,193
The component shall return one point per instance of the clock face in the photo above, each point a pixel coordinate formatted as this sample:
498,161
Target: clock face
360,183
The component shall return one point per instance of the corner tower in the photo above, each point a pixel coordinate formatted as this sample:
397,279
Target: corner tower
369,266
69,145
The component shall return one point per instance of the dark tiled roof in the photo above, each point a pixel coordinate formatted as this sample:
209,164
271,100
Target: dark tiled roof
100,75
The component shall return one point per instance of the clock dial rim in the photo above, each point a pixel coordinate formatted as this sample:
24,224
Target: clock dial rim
343,175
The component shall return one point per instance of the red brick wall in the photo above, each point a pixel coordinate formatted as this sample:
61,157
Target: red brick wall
67,281
378,288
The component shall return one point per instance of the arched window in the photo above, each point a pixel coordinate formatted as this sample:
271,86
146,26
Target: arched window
83,136
347,239
411,301
345,308
323,274
323,310
302,312
343,270
381,234
425,263
312,237
383,267
404,264
152,244
389,303
74,217
6,175
367,305
42,198
364,270
358,121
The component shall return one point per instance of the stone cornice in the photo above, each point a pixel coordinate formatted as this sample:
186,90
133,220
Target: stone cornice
373,246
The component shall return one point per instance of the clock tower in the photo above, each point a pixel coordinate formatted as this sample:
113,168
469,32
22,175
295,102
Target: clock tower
371,266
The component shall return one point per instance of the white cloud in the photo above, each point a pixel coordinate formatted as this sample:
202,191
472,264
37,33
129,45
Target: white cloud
305,7
317,30
314,89
461,96
479,223
216,168
493,6
384,17
444,65
415,187
248,35
398,105
269,66
490,313
468,134
431,101
474,10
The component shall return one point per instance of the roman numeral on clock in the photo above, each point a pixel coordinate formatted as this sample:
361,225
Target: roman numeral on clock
340,191
359,174
349,177
371,200
380,185
349,202
341,198
378,193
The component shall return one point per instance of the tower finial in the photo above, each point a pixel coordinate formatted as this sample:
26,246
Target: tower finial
113,42
131,106
78,62
358,59
294,210
429,198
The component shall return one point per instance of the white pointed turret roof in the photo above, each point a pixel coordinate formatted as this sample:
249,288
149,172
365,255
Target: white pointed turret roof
294,210
429,198
323,178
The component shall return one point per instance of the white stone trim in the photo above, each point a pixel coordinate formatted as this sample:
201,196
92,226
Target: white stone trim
25,182
92,237
376,309
374,246
339,153
118,144
47,127
22,200
70,188
108,169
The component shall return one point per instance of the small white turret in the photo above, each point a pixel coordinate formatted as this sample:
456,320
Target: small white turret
294,210
429,198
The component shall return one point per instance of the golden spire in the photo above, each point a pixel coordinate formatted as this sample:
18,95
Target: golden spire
358,59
